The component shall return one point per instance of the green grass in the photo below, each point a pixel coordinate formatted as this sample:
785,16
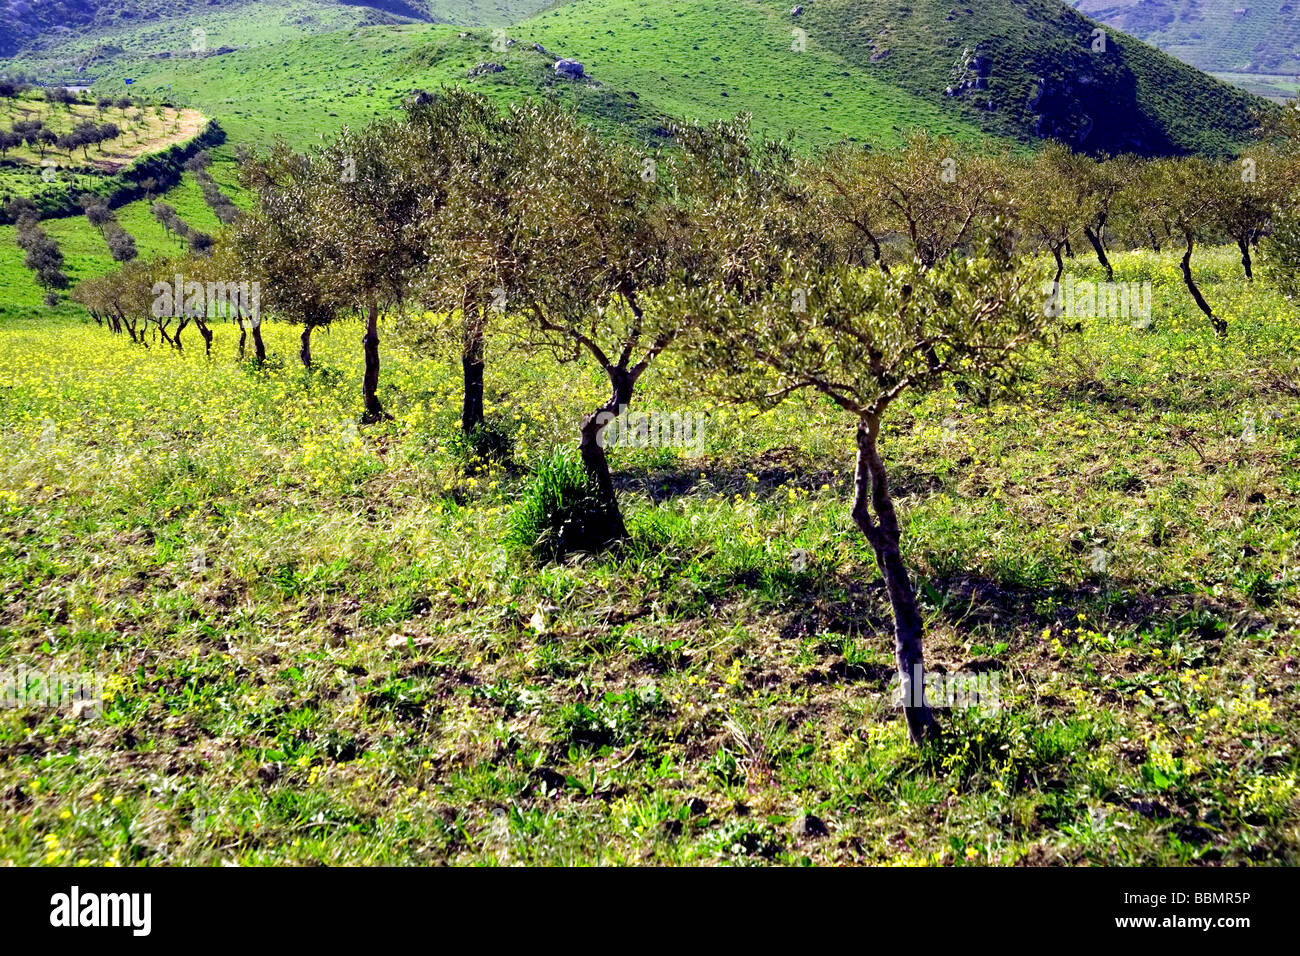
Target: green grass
719,57
317,83
136,29
1277,87
318,646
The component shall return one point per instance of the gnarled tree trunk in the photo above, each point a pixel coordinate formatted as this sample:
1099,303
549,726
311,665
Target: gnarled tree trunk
205,331
304,347
370,380
594,461
873,513
1243,243
1099,247
259,347
1220,326
471,364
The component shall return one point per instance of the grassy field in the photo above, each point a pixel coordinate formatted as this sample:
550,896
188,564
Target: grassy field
1277,87
317,643
317,83
134,30
842,69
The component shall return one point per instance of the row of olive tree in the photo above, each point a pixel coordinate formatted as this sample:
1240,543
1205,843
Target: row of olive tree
859,275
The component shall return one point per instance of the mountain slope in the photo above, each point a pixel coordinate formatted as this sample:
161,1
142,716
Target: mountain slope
712,58
1036,67
860,69
1238,36
50,33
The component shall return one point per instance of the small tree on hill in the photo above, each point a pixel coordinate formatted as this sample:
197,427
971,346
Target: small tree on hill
1176,198
1250,189
121,244
1101,182
1052,192
282,243
605,226
866,339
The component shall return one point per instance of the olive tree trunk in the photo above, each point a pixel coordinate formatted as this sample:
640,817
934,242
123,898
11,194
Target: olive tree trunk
591,448
1220,326
1099,246
259,347
471,364
370,380
873,513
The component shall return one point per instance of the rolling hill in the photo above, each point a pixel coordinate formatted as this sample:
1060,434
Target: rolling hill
58,36
1221,36
1038,68
1015,70
859,69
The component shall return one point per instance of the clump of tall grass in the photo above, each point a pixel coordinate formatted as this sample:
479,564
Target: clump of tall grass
559,511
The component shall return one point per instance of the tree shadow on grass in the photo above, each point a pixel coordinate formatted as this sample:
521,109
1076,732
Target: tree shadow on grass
968,601
764,476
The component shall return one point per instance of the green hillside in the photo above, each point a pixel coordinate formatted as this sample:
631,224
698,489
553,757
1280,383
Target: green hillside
67,39
1223,36
708,58
1036,67
317,83
85,252
841,69
1021,69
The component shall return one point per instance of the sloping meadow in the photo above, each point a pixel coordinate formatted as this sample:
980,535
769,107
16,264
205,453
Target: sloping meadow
312,643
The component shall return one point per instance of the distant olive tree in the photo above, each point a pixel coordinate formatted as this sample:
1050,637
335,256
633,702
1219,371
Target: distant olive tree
1177,200
374,231
283,244
917,203
461,150
1052,193
1250,189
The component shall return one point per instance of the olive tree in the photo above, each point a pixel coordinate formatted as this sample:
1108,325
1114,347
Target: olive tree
1250,189
283,245
917,203
1052,190
866,339
460,149
603,226
374,229
1102,181
1177,199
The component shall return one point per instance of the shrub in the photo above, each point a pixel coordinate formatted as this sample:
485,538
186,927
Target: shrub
559,512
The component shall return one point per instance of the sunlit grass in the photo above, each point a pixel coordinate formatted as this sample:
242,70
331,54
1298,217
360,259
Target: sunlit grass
318,645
